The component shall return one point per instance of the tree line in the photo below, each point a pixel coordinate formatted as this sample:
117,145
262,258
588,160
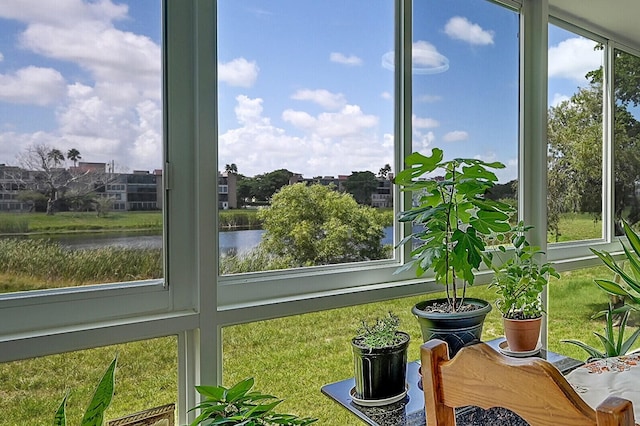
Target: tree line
261,188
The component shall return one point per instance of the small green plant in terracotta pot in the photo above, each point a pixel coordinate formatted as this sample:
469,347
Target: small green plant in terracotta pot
380,359
519,281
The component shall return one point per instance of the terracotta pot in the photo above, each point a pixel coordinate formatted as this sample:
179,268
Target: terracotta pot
522,335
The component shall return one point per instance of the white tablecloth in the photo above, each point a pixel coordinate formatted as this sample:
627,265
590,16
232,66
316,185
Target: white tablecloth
619,376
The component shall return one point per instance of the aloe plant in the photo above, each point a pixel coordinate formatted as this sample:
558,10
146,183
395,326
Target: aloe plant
238,405
630,287
613,343
102,396
452,218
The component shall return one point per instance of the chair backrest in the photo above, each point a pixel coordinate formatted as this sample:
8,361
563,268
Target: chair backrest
531,387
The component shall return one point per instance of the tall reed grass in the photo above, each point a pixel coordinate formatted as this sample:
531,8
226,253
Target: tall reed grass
46,260
13,224
239,219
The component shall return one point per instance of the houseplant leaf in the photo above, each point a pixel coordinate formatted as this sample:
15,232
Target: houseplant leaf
60,418
94,415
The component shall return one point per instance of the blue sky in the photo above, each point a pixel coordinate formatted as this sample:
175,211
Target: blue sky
302,83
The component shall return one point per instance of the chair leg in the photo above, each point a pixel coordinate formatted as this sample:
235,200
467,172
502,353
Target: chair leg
432,354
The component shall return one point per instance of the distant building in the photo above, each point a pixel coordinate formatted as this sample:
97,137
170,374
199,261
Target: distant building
383,196
142,190
227,191
12,180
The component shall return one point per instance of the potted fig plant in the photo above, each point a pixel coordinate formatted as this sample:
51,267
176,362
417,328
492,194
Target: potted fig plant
380,361
519,281
452,221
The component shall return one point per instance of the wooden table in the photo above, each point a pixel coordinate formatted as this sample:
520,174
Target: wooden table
410,410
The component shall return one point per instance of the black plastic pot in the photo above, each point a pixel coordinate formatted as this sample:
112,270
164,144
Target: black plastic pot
458,329
381,372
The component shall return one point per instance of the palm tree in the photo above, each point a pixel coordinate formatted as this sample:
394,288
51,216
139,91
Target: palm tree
231,168
384,172
74,155
56,156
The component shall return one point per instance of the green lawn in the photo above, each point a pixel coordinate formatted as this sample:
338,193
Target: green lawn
82,221
289,357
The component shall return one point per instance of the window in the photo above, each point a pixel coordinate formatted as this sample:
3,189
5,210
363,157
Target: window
304,98
311,86
43,382
575,137
81,107
465,84
626,139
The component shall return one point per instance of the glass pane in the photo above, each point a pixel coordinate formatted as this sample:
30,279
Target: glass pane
146,376
80,143
465,85
626,137
305,111
574,137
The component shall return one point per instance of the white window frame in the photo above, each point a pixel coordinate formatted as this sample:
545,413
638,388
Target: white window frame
196,303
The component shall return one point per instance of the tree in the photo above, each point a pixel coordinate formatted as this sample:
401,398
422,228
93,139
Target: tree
575,158
361,185
43,172
243,190
384,172
315,225
55,156
231,168
265,185
74,155
626,130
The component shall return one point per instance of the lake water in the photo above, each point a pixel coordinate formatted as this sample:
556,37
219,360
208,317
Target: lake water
230,241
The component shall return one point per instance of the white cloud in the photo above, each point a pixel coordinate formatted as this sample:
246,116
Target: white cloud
423,123
32,85
62,12
238,72
386,95
258,146
1,57
341,58
107,53
573,58
429,98
110,108
321,97
349,122
459,28
456,136
422,141
558,98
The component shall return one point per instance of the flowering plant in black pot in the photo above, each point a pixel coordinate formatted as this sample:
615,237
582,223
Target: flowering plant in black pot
380,359
452,221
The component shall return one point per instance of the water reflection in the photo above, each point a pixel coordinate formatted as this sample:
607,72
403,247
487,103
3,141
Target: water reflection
231,242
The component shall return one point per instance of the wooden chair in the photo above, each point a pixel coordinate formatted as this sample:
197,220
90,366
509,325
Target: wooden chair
532,388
